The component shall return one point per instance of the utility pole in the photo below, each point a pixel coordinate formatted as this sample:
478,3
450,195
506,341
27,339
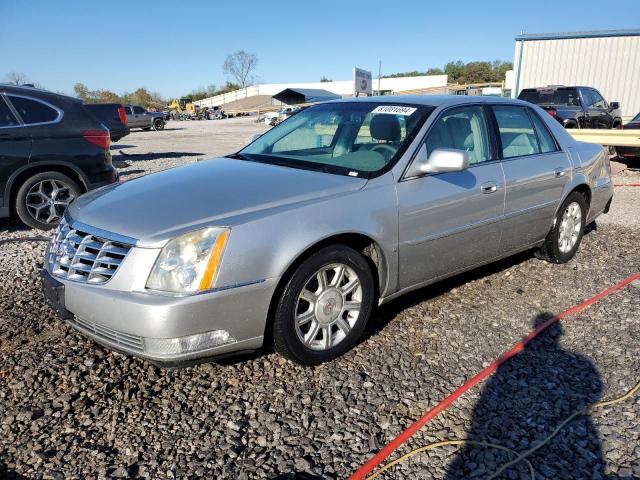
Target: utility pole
379,74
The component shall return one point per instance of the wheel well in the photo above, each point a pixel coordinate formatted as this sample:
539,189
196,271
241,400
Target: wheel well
616,123
29,172
359,242
586,193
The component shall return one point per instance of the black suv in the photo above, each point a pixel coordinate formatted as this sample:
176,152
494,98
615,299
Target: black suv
51,150
575,107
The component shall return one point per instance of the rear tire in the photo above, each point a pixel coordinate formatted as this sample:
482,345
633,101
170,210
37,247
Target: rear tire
324,306
564,239
42,199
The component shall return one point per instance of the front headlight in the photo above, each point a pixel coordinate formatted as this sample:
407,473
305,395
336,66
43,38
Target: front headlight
189,263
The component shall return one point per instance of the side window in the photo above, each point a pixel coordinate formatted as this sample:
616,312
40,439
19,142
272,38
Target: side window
516,131
7,119
587,98
547,144
462,128
138,110
598,101
318,133
33,111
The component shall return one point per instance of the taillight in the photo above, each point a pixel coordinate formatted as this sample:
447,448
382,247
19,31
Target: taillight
553,112
100,138
122,115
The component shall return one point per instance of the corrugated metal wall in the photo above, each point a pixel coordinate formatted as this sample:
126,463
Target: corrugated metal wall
610,64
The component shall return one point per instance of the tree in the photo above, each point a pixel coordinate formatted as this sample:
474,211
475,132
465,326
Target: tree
82,92
325,80
16,78
240,65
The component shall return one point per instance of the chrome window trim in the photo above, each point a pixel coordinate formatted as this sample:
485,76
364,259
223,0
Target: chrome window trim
58,119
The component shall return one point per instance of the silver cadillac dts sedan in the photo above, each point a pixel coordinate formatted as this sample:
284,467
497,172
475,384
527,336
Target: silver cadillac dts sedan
293,240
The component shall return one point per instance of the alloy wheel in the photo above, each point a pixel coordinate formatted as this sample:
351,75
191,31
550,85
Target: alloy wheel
570,227
328,306
47,200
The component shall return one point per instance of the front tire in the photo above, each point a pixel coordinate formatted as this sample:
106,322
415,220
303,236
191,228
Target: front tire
324,306
564,239
158,124
42,199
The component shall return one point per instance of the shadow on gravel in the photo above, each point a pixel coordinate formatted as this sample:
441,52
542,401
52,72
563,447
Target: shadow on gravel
132,157
525,401
386,313
8,474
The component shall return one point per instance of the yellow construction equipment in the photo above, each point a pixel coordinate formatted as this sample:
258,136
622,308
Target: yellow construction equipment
182,109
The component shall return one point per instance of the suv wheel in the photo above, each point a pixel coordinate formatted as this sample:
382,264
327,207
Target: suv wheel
564,239
324,306
158,124
42,199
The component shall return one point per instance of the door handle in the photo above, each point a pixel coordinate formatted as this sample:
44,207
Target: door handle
559,172
490,187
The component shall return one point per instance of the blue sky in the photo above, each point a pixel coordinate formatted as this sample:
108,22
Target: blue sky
174,47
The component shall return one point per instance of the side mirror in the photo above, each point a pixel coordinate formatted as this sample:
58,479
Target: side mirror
441,160
614,105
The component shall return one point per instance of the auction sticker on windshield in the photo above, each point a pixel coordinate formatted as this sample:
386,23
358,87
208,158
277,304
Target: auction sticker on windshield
394,110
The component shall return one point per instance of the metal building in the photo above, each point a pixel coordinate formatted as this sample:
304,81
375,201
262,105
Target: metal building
608,60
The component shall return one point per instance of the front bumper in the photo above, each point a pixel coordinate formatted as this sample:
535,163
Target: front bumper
130,322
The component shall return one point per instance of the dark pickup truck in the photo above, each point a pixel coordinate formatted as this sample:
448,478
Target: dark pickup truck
575,107
112,116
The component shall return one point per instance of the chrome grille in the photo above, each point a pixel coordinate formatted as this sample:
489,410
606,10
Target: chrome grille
109,335
82,257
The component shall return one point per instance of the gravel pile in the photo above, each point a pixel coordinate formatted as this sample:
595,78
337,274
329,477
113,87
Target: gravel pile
72,409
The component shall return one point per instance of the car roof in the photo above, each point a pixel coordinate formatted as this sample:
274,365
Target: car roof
35,92
431,100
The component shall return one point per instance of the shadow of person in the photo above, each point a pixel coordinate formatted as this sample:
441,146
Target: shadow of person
523,402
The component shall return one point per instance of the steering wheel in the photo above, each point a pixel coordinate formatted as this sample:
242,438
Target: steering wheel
383,147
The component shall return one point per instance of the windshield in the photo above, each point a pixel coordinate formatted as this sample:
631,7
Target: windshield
561,96
350,138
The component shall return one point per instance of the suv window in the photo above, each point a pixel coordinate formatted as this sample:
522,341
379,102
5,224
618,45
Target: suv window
462,128
598,101
551,96
545,140
138,110
33,111
587,97
516,131
7,119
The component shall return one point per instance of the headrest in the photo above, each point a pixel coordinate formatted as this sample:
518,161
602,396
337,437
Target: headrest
385,127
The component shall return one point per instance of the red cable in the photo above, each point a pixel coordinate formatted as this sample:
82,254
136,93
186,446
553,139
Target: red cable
626,184
388,449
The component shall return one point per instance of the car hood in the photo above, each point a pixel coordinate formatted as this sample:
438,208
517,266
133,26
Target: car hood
217,192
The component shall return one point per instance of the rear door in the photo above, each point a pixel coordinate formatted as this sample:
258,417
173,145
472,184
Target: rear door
15,146
452,221
535,170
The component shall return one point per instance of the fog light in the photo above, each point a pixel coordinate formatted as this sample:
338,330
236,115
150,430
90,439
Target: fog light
192,343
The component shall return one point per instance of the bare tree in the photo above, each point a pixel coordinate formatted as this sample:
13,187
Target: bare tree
16,78
240,65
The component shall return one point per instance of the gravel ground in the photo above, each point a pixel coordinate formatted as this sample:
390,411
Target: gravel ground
72,409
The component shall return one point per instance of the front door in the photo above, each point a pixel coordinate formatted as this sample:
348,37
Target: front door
452,221
535,171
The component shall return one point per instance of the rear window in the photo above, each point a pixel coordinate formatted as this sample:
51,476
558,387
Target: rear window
7,119
33,111
563,96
